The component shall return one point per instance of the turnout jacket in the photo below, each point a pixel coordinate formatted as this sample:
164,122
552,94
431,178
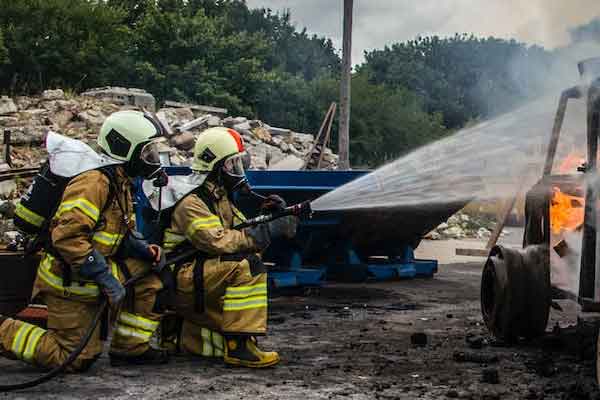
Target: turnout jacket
209,227
90,215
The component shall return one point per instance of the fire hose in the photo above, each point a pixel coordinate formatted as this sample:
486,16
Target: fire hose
295,210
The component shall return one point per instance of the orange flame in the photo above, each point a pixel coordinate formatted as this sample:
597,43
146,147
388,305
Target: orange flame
566,212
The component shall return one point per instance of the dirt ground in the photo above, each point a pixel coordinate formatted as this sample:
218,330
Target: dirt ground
353,341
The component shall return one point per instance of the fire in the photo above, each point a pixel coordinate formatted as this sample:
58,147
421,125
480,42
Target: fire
566,212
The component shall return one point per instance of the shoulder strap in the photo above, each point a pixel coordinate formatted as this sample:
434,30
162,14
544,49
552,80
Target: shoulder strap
205,196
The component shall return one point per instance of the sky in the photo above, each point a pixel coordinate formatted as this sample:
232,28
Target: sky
382,22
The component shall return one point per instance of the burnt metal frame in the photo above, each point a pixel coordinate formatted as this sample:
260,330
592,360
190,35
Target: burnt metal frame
588,245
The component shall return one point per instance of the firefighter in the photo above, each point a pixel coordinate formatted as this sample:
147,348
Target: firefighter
93,249
222,294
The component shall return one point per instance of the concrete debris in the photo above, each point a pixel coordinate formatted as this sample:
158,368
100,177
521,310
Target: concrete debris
197,107
462,225
29,118
124,97
57,94
7,106
7,188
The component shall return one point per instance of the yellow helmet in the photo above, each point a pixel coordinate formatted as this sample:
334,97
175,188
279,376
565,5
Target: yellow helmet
130,136
214,145
221,148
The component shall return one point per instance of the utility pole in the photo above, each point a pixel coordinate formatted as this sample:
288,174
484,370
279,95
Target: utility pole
344,132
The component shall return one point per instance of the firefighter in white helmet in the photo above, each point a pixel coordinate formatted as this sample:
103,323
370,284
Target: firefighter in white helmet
91,249
222,294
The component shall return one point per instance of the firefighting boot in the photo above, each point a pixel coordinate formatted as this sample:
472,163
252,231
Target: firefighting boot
243,351
149,357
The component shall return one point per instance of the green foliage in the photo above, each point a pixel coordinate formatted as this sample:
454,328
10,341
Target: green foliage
388,122
462,77
257,63
61,43
3,50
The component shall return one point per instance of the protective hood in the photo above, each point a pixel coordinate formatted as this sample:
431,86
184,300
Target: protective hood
177,188
69,157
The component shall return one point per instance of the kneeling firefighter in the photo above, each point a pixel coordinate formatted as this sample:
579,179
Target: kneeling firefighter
221,295
91,248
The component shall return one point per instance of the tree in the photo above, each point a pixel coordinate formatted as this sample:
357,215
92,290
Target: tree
386,123
462,77
70,43
3,50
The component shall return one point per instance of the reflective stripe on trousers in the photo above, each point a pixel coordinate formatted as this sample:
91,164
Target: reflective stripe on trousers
212,343
130,325
26,340
240,298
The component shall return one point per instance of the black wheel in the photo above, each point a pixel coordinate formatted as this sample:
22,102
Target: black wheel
515,292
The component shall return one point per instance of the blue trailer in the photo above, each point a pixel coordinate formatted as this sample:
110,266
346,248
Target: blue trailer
353,245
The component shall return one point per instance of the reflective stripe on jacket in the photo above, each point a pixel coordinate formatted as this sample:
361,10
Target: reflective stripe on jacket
209,232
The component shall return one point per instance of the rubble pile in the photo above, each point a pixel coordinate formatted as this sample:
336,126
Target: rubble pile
80,117
462,225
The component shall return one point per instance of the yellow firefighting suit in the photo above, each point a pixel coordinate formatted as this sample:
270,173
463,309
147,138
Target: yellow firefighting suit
88,218
224,292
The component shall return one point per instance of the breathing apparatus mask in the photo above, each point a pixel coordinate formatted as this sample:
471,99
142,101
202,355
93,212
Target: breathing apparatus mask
232,173
145,161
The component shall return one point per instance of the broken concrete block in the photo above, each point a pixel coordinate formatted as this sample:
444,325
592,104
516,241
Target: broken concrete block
7,105
8,121
261,134
244,126
92,118
198,123
124,96
56,94
197,107
289,163
184,141
279,131
63,117
213,121
7,187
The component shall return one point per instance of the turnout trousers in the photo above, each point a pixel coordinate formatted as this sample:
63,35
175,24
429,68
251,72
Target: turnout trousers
217,297
71,310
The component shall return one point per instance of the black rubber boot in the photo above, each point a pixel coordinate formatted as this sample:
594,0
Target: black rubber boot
243,351
149,357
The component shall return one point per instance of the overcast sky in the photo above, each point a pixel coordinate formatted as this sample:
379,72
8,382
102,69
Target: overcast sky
381,22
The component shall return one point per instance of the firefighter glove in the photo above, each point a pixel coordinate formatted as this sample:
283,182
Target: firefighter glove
260,234
273,203
95,268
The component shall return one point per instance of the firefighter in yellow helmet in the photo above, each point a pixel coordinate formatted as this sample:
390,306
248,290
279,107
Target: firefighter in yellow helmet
222,294
92,249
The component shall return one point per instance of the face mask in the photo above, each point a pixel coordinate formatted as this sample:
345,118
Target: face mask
147,163
232,173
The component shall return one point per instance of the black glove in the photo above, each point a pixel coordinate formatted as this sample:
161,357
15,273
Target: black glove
96,269
284,227
134,246
260,234
161,264
273,203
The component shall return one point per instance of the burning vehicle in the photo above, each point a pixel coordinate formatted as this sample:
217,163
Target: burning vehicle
560,257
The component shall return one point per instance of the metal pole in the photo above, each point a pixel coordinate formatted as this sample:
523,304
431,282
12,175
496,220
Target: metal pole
344,132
